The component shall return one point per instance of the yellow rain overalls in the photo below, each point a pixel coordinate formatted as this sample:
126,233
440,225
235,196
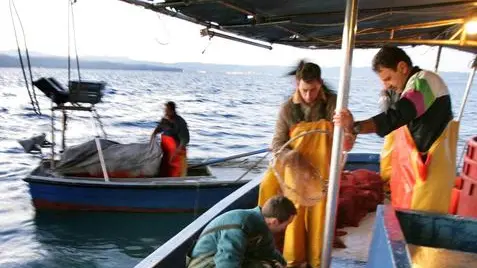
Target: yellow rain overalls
304,235
419,185
386,157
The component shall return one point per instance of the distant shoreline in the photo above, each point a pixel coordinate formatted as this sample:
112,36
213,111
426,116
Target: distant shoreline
7,61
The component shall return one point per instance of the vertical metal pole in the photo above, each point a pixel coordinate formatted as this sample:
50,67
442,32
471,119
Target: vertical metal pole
100,150
467,90
347,45
63,131
438,59
52,160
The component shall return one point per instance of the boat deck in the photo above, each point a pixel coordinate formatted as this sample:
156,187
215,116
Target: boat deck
357,241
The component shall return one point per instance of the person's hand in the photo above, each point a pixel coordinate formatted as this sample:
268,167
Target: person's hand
348,142
344,119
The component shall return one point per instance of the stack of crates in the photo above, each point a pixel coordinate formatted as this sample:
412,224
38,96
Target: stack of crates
467,205
86,91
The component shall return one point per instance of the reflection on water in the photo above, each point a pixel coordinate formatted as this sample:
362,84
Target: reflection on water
82,239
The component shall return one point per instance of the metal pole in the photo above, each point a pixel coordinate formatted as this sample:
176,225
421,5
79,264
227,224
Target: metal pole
52,161
100,150
467,90
438,60
349,33
101,159
63,131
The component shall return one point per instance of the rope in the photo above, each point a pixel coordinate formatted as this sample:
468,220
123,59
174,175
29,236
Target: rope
317,172
69,57
74,40
163,23
252,167
34,101
70,11
101,126
208,44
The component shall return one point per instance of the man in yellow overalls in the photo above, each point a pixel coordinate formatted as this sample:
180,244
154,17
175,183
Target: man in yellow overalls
424,134
310,108
387,100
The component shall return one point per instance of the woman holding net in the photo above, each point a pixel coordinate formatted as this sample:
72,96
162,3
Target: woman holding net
301,150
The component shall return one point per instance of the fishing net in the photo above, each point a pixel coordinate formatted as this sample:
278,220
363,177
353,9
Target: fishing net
121,160
299,174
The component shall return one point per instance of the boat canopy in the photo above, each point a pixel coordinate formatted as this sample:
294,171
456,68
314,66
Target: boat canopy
319,23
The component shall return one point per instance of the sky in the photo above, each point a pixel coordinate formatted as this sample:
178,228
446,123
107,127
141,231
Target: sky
111,28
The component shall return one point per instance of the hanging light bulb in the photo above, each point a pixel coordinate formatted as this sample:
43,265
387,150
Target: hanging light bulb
471,26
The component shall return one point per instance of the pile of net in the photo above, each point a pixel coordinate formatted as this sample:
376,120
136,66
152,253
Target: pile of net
360,191
122,160
301,187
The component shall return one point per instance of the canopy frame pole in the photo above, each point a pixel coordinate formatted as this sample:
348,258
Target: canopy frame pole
470,80
349,35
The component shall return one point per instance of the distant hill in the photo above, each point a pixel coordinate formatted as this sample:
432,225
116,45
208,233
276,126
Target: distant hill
62,62
10,59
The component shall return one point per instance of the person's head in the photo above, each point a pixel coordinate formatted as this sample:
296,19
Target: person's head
170,109
295,71
309,82
393,67
278,212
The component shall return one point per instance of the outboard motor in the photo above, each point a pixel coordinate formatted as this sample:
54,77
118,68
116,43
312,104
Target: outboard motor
34,144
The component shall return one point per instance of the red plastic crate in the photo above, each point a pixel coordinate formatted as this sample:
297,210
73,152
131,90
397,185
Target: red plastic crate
470,168
468,197
472,148
455,196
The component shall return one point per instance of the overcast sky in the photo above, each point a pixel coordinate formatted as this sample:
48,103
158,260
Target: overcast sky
116,29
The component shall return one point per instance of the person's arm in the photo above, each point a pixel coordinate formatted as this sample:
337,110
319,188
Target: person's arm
385,122
157,130
282,133
349,138
183,134
231,247
414,102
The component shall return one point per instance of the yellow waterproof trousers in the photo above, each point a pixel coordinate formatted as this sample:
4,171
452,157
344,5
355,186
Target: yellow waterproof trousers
386,157
304,235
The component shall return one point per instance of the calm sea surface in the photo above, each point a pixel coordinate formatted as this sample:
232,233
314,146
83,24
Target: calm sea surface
227,113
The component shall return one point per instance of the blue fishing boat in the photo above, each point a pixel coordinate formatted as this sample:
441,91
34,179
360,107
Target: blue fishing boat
183,194
71,184
200,190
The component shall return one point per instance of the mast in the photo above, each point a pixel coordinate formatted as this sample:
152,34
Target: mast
349,34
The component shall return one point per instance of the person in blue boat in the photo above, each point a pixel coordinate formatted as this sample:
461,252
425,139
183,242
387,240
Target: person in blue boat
174,140
424,134
244,237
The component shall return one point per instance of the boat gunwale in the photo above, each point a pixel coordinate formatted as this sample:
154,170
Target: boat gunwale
162,183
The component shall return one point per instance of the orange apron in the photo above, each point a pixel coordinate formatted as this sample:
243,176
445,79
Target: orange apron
420,185
177,167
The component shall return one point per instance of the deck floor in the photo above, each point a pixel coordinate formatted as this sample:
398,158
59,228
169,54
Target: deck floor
357,243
